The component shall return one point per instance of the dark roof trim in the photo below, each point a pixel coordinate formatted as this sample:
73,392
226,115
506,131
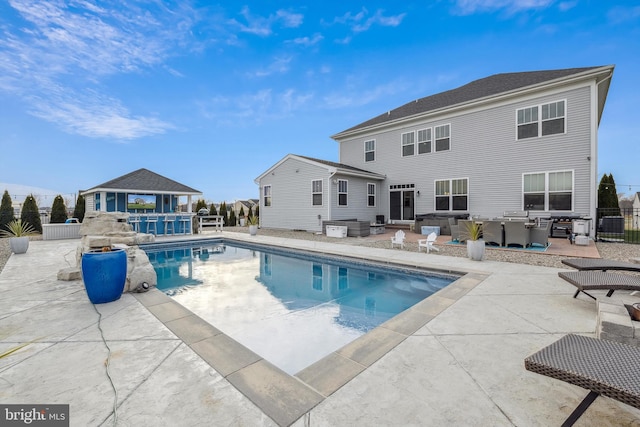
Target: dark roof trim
144,180
483,89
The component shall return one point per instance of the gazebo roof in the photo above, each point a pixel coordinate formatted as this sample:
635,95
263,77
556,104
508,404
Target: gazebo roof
144,181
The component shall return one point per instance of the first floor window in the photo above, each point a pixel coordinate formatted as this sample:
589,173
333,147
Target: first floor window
408,144
452,194
443,139
342,192
424,141
371,195
316,192
370,150
548,191
266,194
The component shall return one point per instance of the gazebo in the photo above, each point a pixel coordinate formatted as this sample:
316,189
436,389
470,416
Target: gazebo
152,200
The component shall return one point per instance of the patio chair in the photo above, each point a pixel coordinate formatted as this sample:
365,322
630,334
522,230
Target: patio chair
428,243
600,264
601,366
593,280
455,229
492,232
540,234
516,233
398,239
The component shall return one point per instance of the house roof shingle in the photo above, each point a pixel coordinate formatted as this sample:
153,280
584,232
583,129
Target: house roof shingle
144,180
477,89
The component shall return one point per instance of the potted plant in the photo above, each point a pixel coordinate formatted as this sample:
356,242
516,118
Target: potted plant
18,233
104,273
253,225
242,217
475,245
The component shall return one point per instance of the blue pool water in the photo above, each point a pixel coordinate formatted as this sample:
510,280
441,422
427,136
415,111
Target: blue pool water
291,308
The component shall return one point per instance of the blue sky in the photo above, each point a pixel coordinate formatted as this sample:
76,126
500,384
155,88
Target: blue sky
211,95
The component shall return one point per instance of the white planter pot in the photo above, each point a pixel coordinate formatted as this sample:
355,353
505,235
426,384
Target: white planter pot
253,229
19,245
242,222
475,249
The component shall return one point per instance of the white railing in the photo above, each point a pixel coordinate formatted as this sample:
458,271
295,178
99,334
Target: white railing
60,231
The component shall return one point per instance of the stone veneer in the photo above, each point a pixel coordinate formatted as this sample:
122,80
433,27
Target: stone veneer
614,323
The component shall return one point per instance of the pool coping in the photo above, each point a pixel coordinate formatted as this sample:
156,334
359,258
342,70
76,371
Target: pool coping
283,397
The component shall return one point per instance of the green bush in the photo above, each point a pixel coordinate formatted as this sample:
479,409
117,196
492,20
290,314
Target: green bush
6,210
224,213
78,211
232,218
213,210
58,211
200,204
30,213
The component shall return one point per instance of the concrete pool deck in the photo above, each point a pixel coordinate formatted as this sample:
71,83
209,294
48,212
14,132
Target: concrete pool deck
456,360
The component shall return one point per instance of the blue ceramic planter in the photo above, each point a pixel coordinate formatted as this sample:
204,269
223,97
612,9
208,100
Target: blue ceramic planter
104,274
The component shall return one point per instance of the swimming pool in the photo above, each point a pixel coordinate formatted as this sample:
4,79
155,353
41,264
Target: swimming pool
289,307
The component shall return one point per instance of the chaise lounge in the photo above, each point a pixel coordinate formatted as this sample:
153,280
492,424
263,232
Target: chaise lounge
603,367
600,264
593,280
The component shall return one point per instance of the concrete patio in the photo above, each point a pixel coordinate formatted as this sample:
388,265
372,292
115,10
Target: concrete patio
457,359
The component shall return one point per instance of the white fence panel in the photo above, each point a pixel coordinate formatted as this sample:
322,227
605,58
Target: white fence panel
60,231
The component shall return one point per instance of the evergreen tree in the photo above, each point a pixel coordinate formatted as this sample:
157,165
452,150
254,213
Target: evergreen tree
78,211
58,211
30,213
200,204
250,214
224,213
258,210
6,210
213,210
232,218
241,214
608,197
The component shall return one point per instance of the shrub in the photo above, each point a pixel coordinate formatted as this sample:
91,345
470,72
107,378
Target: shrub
224,213
30,213
58,211
200,204
78,211
6,210
213,210
241,214
232,218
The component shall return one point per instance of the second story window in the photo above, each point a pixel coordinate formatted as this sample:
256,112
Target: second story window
342,192
443,137
316,192
541,120
370,150
408,144
424,141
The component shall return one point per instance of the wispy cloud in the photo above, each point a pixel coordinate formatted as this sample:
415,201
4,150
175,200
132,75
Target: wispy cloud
262,26
308,41
621,14
352,96
252,108
54,50
363,21
278,66
468,7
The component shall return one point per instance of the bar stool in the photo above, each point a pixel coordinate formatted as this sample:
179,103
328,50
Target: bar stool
184,223
135,224
152,221
168,221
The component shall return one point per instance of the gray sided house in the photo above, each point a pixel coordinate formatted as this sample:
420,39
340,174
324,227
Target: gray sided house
507,142
299,192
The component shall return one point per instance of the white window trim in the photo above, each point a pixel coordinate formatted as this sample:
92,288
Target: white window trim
539,107
432,147
402,144
264,196
546,188
435,195
370,151
435,139
321,192
375,194
342,192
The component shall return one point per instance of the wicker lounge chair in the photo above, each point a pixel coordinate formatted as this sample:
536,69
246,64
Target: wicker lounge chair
592,280
603,367
600,264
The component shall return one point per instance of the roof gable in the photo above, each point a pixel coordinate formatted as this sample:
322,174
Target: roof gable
145,180
332,167
487,87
